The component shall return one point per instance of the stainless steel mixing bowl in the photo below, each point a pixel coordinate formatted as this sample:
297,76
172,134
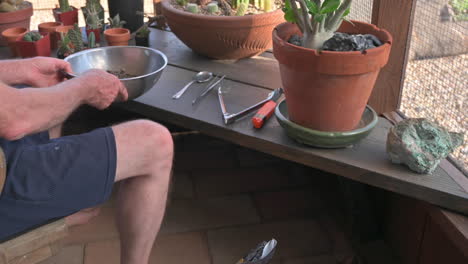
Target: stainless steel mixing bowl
145,63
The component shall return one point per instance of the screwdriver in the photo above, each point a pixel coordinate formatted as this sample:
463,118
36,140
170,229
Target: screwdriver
263,114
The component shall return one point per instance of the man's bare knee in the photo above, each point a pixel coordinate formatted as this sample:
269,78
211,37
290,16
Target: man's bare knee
142,147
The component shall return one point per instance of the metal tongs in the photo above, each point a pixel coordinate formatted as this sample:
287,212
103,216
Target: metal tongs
231,118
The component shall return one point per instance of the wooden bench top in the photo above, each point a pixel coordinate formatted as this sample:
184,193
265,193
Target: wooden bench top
248,81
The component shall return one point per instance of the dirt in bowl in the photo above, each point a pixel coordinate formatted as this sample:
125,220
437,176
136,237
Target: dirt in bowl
122,74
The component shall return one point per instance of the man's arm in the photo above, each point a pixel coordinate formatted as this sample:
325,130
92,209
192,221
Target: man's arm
26,111
34,72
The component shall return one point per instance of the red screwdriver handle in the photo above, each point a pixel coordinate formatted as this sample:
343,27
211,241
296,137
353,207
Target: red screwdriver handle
263,114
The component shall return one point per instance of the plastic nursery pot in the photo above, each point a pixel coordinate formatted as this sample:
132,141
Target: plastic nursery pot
11,35
144,42
329,90
20,18
97,34
127,11
50,28
28,49
67,18
117,36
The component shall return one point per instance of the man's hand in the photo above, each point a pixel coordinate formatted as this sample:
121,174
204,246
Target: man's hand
44,71
103,88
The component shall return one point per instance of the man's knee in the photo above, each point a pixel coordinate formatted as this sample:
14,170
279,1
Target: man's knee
158,139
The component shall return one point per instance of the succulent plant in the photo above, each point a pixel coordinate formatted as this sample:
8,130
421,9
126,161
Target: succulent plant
115,22
317,19
192,8
143,32
32,36
241,9
213,8
95,8
91,40
182,2
92,18
64,47
76,38
10,5
64,6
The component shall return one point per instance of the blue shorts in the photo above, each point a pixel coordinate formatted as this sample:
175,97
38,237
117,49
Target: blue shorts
49,179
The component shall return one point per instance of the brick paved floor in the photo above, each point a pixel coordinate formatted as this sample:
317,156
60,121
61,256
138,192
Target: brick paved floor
226,199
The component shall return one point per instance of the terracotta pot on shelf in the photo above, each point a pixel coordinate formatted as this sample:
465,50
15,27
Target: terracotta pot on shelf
223,37
11,35
50,28
66,18
97,34
61,29
329,90
28,49
20,18
117,36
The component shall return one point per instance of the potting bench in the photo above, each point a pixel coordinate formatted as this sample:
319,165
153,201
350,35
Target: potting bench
249,81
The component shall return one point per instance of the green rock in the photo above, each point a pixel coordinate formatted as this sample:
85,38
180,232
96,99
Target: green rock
421,144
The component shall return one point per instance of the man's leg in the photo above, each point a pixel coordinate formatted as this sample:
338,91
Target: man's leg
144,163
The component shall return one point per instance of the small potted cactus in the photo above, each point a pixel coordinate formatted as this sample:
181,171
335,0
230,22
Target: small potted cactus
142,36
93,22
328,64
33,44
95,6
116,35
66,14
224,29
14,13
72,42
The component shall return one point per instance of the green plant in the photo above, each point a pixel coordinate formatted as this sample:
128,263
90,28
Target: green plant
76,38
212,8
64,6
91,40
318,20
64,46
193,8
241,9
182,2
95,8
32,36
143,32
115,22
460,8
92,18
10,5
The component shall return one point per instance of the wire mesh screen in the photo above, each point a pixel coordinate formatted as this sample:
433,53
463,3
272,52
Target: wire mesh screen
361,10
436,82
43,10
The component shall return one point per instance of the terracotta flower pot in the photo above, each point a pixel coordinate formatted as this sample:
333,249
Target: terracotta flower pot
67,18
117,36
20,18
61,29
223,37
50,28
11,35
97,34
28,49
328,90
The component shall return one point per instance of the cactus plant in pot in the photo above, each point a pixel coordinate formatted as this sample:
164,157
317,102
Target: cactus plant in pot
95,7
14,13
72,42
142,36
327,90
33,44
116,35
66,14
224,29
93,22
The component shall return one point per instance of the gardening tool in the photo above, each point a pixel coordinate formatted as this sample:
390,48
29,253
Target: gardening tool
210,87
200,77
231,118
262,254
263,114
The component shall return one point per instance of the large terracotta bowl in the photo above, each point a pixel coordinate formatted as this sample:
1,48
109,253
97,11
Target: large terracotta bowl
223,37
19,18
